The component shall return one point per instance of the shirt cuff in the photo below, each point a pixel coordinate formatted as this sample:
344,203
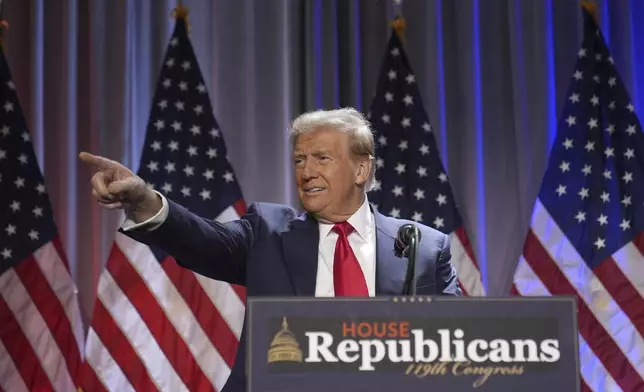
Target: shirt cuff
152,223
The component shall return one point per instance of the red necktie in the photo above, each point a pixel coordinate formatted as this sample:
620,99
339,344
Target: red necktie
348,278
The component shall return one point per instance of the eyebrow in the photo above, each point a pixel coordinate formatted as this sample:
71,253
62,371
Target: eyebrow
317,152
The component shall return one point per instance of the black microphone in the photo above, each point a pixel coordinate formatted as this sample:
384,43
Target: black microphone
401,246
406,245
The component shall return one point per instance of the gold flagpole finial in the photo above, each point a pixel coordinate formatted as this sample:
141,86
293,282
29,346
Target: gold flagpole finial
398,23
591,7
4,25
181,12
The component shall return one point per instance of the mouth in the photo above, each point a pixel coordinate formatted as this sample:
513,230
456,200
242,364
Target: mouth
311,191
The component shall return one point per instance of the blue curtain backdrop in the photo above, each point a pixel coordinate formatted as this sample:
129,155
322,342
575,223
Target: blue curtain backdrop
493,75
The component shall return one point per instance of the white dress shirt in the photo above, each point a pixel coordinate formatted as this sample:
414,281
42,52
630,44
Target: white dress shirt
362,241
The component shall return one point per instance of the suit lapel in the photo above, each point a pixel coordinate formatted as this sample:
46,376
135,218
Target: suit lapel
390,269
300,243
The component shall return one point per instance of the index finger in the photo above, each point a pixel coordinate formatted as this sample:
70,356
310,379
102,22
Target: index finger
98,162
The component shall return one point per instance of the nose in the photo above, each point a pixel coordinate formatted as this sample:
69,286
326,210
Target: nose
309,171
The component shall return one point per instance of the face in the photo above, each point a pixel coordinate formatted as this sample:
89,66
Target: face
329,178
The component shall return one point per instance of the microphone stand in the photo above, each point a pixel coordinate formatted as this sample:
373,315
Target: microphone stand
411,252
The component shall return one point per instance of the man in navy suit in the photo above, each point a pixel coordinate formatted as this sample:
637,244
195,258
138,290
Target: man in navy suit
341,246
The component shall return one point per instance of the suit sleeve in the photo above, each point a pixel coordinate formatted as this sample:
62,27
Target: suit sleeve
446,278
210,248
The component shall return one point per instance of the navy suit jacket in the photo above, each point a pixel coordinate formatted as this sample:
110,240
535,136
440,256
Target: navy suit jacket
273,251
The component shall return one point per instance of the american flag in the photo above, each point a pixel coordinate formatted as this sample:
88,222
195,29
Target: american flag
586,235
157,326
411,182
41,331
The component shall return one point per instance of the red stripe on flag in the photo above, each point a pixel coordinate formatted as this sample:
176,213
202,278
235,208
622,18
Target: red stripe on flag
638,241
121,350
593,332
208,316
173,346
20,350
584,386
52,312
622,291
241,292
240,207
467,245
89,381
462,287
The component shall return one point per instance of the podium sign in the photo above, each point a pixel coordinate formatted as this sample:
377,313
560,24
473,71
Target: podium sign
400,344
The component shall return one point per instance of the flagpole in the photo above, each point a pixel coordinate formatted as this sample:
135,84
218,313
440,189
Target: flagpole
399,21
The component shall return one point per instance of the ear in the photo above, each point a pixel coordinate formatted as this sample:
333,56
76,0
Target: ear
363,168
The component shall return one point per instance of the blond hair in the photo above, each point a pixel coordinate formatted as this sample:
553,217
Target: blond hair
347,120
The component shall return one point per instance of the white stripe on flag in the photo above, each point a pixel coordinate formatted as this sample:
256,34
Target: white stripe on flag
10,379
227,215
226,300
589,287
629,260
62,285
134,328
175,308
591,368
36,331
467,272
106,369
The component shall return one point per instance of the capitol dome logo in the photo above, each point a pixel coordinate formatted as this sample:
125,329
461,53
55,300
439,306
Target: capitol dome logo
284,347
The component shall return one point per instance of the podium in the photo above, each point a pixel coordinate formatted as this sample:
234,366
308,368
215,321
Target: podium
401,344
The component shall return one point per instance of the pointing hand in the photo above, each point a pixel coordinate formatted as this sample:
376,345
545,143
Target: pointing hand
115,186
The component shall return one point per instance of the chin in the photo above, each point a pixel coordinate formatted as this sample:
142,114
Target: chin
313,206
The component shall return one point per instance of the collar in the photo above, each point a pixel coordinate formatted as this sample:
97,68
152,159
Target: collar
361,220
